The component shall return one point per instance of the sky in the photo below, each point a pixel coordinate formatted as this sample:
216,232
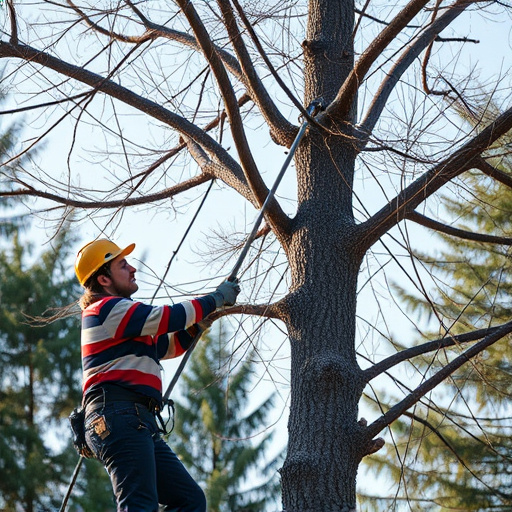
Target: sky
158,231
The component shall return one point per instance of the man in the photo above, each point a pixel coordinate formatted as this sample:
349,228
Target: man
122,344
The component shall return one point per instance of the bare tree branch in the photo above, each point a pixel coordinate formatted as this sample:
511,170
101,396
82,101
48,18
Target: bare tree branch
14,25
275,215
154,31
133,201
460,161
44,105
264,310
459,233
248,26
232,175
111,34
281,130
425,348
397,410
340,107
453,450
404,62
493,172
426,58
137,11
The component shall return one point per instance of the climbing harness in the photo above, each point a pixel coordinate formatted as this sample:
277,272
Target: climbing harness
312,110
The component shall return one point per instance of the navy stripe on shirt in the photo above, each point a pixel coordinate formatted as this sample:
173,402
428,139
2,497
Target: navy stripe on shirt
137,321
177,318
126,348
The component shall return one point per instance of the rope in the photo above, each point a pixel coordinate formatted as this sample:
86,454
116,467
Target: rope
175,253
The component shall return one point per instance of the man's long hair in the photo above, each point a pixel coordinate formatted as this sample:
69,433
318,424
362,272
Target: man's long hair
93,290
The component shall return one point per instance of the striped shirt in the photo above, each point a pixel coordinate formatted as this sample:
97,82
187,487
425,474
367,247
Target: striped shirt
123,341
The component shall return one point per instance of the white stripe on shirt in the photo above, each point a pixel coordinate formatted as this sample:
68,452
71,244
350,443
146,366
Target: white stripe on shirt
190,313
153,322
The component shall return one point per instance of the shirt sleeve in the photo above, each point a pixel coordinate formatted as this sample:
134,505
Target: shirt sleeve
177,343
128,319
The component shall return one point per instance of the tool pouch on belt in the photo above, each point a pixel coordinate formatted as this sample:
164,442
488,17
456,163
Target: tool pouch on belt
77,422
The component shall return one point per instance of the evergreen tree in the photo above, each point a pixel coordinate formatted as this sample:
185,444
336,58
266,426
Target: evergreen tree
39,366
39,377
213,431
38,373
455,470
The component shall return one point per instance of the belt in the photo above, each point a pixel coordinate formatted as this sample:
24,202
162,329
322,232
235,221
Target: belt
109,393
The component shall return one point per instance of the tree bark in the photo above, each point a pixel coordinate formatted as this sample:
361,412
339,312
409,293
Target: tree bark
326,442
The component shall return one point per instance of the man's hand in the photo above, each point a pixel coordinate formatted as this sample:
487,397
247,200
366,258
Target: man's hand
226,293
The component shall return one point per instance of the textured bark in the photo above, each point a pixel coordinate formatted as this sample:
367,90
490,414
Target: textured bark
326,442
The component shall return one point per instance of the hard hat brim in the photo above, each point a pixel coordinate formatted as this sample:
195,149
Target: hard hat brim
127,250
123,252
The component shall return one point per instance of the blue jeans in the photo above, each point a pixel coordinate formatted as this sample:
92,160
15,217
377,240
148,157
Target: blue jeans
143,470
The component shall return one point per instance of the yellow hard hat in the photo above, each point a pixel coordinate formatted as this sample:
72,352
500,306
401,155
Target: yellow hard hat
94,255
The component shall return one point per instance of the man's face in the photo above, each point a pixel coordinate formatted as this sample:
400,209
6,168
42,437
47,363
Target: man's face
122,275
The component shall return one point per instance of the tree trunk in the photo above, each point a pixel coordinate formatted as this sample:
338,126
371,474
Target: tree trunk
326,442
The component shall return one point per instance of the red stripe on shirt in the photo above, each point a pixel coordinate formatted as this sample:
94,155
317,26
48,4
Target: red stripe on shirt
95,348
134,377
94,309
178,349
124,322
163,326
198,310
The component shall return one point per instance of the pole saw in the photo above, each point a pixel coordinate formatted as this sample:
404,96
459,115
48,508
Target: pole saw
312,110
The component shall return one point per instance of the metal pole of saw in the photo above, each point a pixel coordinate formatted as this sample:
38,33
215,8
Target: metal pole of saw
71,485
311,110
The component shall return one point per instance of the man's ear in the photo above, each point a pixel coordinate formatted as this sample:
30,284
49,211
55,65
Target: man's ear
103,280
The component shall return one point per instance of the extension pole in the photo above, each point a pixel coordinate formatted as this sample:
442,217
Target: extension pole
71,485
313,108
